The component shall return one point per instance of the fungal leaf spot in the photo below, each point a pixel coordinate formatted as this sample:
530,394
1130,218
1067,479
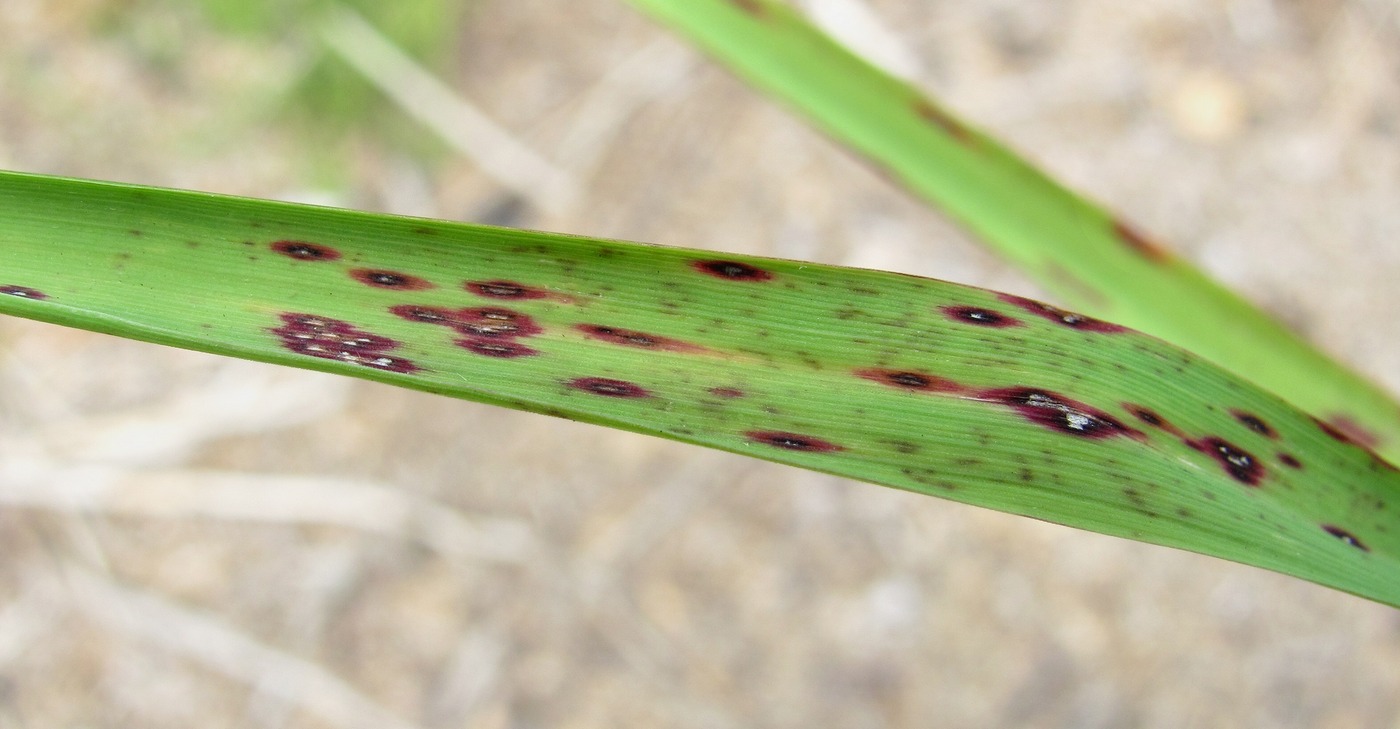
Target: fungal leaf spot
732,270
327,338
1239,463
382,279
1254,423
609,387
23,292
980,317
304,251
641,340
726,392
495,323
496,348
1346,537
792,441
423,314
1347,430
504,290
1062,317
1289,460
1060,413
908,380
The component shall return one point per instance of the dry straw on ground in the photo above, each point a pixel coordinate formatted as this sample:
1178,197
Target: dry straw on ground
189,541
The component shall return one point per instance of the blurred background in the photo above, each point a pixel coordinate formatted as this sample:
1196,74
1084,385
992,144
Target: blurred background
189,541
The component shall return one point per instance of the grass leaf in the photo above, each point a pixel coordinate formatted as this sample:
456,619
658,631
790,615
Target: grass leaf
918,384
1084,254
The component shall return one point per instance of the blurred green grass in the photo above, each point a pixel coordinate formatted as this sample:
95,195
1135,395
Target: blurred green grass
318,98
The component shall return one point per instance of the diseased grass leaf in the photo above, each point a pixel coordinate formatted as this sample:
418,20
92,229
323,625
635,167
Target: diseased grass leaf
1083,253
918,384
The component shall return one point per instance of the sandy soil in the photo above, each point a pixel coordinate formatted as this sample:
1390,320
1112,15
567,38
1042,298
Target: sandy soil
187,541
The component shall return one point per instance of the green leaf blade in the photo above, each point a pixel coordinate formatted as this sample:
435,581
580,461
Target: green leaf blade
908,382
1072,246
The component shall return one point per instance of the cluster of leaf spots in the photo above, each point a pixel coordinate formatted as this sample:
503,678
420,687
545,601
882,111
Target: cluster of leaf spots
1064,415
23,292
327,338
490,331
501,332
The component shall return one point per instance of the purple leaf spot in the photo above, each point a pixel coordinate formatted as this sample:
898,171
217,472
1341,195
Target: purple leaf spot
1062,317
304,251
608,387
731,270
792,441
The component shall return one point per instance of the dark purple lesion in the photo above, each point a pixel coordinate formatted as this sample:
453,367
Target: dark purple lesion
424,314
726,392
384,279
980,316
502,289
732,270
1346,537
496,348
1288,459
493,322
1254,423
640,340
792,441
1061,316
1345,429
327,338
908,380
1060,413
305,251
23,292
1238,462
609,387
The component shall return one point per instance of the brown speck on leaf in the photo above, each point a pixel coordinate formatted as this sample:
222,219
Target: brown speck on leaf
1140,243
943,120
